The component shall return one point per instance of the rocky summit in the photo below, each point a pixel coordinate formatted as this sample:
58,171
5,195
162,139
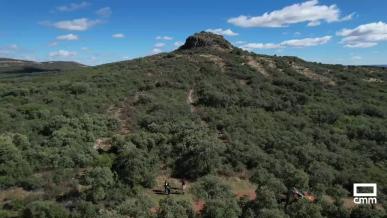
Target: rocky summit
206,39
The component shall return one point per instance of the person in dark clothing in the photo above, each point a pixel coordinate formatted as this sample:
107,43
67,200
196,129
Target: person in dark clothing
167,188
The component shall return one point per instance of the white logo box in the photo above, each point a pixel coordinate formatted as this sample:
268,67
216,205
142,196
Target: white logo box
357,185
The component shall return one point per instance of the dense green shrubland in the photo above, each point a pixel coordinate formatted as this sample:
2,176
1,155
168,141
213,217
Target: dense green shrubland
287,131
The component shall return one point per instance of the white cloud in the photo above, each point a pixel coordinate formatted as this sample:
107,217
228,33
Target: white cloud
72,6
13,47
294,43
9,49
52,44
156,51
167,38
178,43
309,11
62,53
118,35
160,45
240,42
68,37
356,57
306,42
364,36
104,12
348,17
219,31
252,46
80,24
361,45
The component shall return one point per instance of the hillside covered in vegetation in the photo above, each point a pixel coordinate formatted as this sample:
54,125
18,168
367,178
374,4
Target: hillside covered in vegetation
14,66
97,141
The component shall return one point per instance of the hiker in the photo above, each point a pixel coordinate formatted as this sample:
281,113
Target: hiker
183,186
167,188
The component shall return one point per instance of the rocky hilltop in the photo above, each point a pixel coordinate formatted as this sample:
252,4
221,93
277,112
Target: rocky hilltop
206,39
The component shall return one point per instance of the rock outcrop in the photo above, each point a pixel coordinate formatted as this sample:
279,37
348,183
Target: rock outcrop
206,39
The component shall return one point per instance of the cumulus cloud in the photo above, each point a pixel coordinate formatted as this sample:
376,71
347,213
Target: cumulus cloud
306,42
72,6
104,12
220,31
309,11
294,43
156,51
9,49
52,44
68,37
356,57
62,53
168,38
80,24
118,35
252,46
364,36
240,42
178,43
160,45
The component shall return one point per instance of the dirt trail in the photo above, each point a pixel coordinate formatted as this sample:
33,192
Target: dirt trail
123,114
190,100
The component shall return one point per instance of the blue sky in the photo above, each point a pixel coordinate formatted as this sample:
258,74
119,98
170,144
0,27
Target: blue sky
96,32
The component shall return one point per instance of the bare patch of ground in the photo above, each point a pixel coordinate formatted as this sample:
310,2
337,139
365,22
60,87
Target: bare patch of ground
123,113
16,194
312,75
241,187
198,206
243,81
216,60
103,144
373,80
257,66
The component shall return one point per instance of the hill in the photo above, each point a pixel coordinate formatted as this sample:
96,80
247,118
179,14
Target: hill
101,141
8,65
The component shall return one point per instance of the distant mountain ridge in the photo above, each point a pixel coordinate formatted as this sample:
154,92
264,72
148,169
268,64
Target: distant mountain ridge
8,65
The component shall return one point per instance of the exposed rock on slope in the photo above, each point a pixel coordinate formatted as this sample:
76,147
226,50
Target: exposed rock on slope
205,39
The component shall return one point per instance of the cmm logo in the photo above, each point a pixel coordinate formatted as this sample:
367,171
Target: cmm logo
364,198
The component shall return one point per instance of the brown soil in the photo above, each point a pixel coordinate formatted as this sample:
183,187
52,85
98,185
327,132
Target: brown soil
16,193
103,144
123,113
199,206
312,75
216,60
253,63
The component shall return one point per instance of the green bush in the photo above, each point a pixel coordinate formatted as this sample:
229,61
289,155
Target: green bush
39,209
170,208
135,167
222,208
